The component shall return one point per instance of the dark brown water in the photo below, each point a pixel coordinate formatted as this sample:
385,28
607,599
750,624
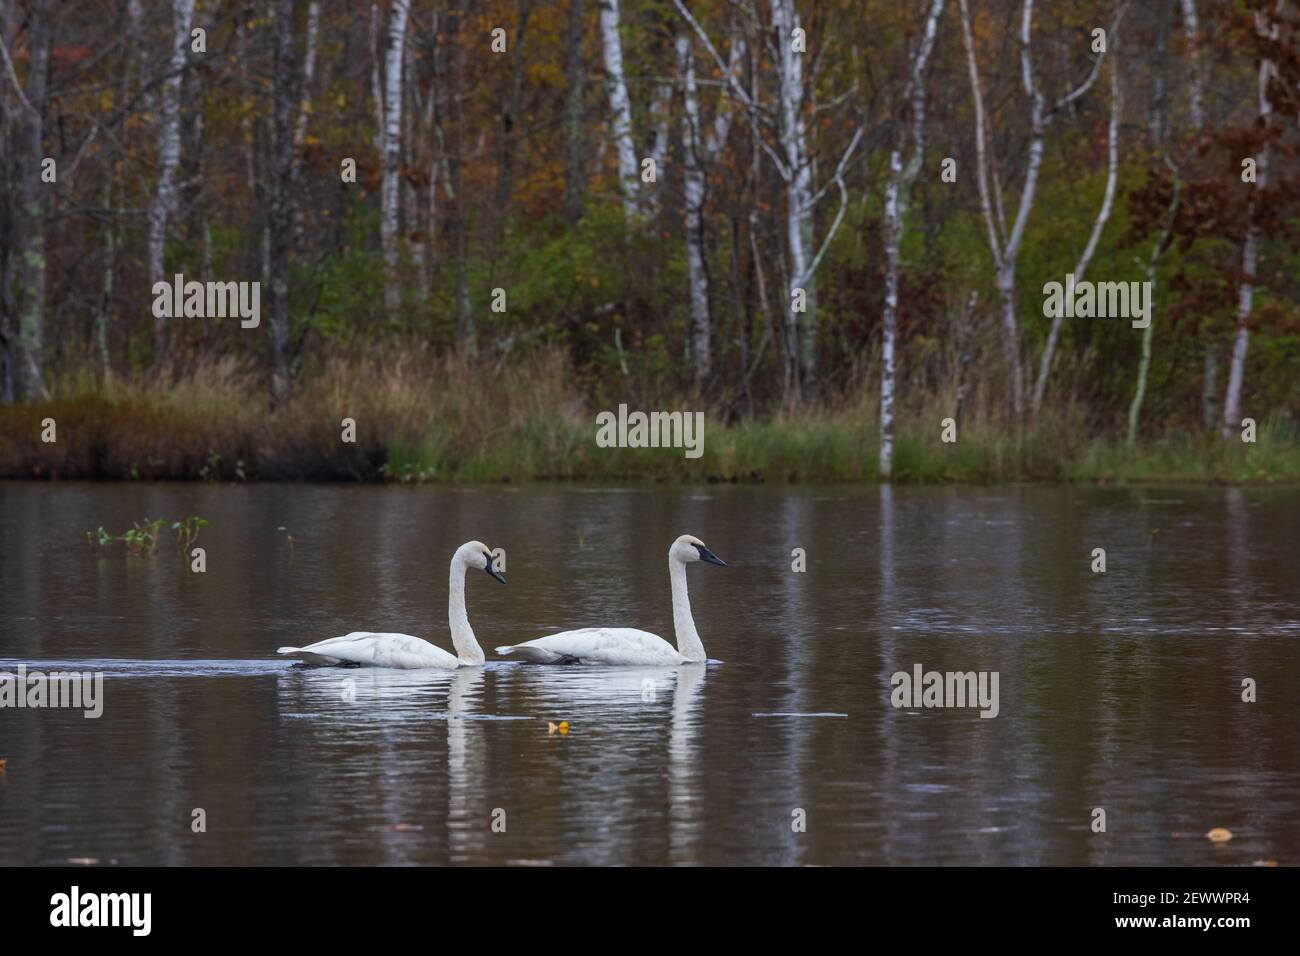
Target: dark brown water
1120,691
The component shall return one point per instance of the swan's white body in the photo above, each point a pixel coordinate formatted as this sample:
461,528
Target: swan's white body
627,646
376,650
402,650
623,646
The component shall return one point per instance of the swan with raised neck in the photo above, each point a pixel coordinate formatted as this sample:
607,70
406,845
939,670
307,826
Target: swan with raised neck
403,650
626,646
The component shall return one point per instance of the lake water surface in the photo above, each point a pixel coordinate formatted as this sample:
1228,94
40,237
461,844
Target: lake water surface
1119,691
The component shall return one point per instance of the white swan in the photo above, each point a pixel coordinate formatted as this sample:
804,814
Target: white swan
627,646
403,650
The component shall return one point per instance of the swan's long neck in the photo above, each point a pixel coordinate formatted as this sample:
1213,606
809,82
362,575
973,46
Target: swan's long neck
688,639
462,635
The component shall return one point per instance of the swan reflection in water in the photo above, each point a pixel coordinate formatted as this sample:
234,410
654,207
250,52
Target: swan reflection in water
378,725
614,782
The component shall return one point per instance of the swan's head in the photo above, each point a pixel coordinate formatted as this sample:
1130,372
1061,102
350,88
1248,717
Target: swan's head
476,554
689,548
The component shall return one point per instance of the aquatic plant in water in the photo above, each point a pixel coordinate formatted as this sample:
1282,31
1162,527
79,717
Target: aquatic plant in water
143,536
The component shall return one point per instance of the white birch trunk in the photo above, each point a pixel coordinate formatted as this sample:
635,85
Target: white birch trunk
376,82
169,154
280,248
1241,340
388,223
103,313
1250,249
1191,30
900,182
800,332
1103,216
889,325
1196,107
308,79
304,112
661,109
620,107
693,184
699,151
1004,246
1148,334
28,225
134,74
798,209
1004,275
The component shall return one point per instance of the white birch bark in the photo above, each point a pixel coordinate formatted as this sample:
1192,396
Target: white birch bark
661,110
693,184
790,158
620,107
376,81
1250,248
1103,216
1196,108
304,110
102,314
750,100
901,178
410,154
391,190
279,233
133,74
1192,30
574,167
28,225
1241,340
308,78
994,224
1004,245
169,154
1148,333
436,159
699,151
798,210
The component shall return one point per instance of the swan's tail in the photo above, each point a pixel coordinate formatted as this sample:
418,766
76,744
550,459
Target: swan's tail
534,655
308,657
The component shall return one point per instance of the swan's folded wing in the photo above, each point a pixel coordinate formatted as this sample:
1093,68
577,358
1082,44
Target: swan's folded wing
350,638
308,658
380,650
403,650
598,645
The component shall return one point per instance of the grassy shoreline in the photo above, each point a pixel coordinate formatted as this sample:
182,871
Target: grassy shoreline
418,420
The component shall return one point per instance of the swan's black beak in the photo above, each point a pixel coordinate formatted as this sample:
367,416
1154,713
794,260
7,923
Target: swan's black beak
493,571
709,556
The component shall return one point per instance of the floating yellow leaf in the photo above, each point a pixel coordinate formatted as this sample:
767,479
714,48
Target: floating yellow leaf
1219,835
